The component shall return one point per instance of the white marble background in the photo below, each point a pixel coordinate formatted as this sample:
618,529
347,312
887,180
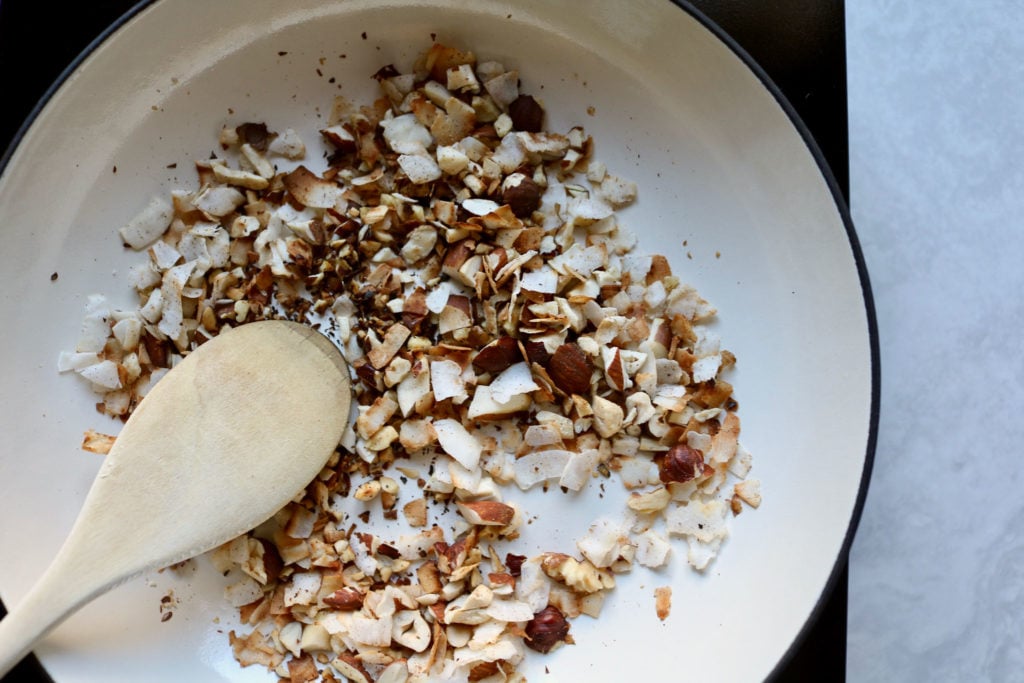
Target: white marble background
936,97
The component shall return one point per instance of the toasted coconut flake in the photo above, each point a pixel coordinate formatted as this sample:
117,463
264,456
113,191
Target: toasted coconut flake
539,467
302,669
510,154
254,649
741,462
287,144
699,554
302,589
469,609
301,522
414,390
480,207
545,435
543,281
608,417
381,354
503,88
457,121
68,362
706,368
351,668
218,200
701,520
149,224
415,512
458,443
243,592
419,168
405,135
652,549
311,190
374,417
371,630
749,492
685,301
663,601
604,541
579,469
172,290
637,472
231,176
164,255
104,375
95,442
725,441
650,502
515,381
509,611
503,650
410,630
419,244
484,405
416,434
447,382
396,672
416,546
95,326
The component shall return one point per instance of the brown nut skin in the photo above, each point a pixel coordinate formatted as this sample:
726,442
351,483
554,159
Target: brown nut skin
569,369
681,464
346,599
526,114
272,562
514,563
256,134
536,352
616,372
497,356
547,629
523,198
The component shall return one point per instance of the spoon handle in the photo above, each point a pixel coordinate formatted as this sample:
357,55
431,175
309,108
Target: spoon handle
63,588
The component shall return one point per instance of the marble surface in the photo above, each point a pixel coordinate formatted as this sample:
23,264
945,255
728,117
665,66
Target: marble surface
936,141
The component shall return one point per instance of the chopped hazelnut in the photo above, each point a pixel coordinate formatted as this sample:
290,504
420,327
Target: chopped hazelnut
681,464
546,630
527,115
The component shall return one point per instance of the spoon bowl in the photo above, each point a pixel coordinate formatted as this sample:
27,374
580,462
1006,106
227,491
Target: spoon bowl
227,438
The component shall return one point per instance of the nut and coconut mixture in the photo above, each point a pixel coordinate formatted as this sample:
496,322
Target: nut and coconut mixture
503,333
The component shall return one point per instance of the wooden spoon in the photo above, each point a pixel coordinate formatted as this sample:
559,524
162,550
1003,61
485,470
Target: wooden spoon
221,443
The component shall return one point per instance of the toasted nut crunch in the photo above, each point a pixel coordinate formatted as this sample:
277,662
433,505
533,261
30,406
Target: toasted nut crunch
504,332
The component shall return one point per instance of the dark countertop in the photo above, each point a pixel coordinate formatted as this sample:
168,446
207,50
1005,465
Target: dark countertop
801,44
